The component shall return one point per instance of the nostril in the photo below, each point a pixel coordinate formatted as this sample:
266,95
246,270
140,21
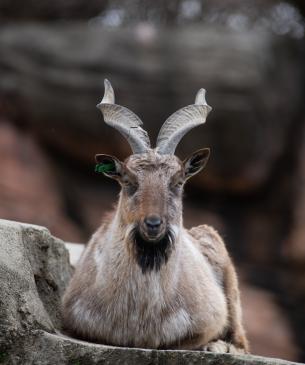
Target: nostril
153,221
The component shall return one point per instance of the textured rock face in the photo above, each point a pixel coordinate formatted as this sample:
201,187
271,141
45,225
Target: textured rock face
34,272
35,269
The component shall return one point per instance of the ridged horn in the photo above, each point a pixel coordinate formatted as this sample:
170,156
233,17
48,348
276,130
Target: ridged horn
182,121
124,120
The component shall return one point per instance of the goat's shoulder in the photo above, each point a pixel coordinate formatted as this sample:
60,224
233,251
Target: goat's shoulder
211,245
96,242
97,237
106,220
86,268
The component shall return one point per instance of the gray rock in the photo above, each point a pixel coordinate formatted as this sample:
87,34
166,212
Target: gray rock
34,269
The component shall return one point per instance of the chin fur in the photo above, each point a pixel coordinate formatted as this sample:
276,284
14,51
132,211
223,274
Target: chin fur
152,255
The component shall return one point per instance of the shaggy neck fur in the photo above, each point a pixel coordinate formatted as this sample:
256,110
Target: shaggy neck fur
151,255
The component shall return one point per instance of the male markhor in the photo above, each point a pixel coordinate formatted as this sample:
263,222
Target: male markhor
144,280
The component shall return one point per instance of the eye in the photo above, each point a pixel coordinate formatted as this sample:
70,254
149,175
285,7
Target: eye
129,183
130,188
177,186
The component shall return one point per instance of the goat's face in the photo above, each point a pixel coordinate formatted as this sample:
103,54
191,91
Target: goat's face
152,186
152,179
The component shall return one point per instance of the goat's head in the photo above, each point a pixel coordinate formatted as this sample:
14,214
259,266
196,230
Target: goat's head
152,180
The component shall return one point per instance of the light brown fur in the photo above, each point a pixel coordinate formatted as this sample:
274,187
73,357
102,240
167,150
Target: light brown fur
190,302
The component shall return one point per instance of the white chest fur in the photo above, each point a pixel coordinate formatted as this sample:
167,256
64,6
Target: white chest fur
158,308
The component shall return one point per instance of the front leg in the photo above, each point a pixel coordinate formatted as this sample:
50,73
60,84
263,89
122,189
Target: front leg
235,334
234,340
223,347
213,248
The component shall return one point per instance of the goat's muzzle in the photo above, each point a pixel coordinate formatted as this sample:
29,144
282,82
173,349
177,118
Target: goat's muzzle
152,228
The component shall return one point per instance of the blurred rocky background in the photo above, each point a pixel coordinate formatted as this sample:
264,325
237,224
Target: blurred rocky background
248,54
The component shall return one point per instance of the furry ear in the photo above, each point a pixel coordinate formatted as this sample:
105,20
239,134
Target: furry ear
109,165
196,162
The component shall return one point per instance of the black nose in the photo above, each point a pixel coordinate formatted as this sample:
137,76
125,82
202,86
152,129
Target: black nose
152,222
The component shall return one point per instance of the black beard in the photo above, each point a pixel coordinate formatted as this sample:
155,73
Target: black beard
151,255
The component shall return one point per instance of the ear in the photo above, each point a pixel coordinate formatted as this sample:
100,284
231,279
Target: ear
109,165
196,162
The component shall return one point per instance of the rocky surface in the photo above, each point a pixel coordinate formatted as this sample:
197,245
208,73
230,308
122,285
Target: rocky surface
62,350
34,272
35,269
